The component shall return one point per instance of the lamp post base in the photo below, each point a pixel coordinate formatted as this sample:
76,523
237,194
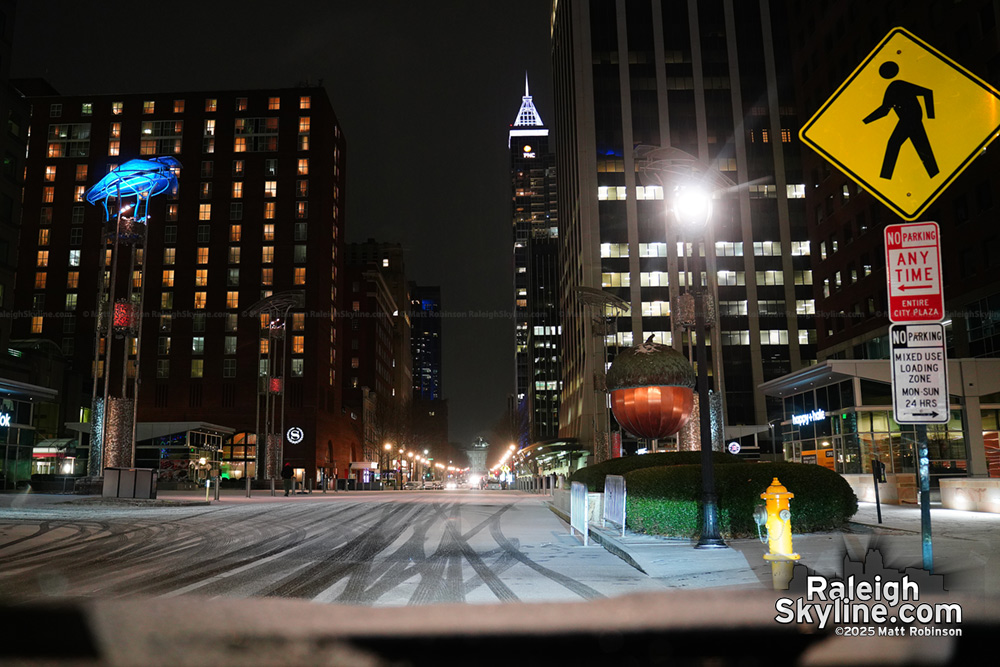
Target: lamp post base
710,538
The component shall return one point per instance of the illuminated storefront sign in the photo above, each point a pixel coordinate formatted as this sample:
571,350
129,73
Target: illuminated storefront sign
295,435
4,419
527,152
809,417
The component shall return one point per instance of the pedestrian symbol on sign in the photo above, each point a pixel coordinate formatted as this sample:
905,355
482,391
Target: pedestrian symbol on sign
903,98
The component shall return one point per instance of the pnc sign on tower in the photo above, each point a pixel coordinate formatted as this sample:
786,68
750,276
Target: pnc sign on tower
913,264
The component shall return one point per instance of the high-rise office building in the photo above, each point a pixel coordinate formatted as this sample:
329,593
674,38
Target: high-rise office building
536,272
649,94
378,378
258,213
425,341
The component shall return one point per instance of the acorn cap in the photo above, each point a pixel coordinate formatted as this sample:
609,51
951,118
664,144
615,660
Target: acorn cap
650,365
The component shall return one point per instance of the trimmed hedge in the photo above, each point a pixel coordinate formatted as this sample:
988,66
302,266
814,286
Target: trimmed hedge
593,475
667,500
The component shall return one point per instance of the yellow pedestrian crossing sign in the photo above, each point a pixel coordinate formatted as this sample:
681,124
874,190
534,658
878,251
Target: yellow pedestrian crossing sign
906,123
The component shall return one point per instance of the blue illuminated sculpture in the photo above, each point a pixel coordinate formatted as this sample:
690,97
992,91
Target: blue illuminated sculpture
124,193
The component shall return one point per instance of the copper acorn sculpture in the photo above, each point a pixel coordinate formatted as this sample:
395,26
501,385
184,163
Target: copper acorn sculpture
652,390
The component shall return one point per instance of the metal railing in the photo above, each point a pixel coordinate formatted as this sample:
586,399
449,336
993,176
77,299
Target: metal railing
614,501
578,511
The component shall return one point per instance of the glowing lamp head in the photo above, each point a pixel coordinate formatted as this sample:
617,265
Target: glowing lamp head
693,206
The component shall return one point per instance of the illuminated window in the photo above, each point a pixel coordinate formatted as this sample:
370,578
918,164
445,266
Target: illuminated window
267,276
43,236
50,173
204,211
114,146
237,189
42,258
210,127
69,140
234,254
197,368
233,277
72,279
238,167
200,277
235,232
302,188
240,145
269,210
264,345
168,255
303,142
74,258
206,190
298,321
36,325
273,103
232,299
167,300
304,124
211,104
266,254
298,344
203,255
168,278
300,275
79,193
116,108
149,106
305,102
303,166
200,299
48,194
270,188
208,145
40,279
241,104
301,210
178,106
81,172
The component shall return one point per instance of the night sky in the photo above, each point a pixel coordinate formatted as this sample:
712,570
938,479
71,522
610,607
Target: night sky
425,92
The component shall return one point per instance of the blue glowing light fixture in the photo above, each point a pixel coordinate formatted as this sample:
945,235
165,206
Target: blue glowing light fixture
136,179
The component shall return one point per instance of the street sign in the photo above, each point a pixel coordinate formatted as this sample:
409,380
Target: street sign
919,374
905,123
913,272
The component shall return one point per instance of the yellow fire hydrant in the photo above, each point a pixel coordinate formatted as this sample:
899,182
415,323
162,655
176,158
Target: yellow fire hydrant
779,534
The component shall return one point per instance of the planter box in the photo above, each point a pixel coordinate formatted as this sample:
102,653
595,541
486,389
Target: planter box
899,489
975,494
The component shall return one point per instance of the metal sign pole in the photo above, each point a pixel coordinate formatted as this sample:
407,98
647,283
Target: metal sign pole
924,479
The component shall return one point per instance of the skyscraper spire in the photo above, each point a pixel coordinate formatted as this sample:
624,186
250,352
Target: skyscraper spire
527,116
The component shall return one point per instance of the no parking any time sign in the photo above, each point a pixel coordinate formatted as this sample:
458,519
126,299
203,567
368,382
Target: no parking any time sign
913,267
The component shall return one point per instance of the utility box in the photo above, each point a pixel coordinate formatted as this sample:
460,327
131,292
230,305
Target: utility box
130,483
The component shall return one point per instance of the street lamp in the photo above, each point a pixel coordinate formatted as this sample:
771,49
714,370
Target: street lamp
693,208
